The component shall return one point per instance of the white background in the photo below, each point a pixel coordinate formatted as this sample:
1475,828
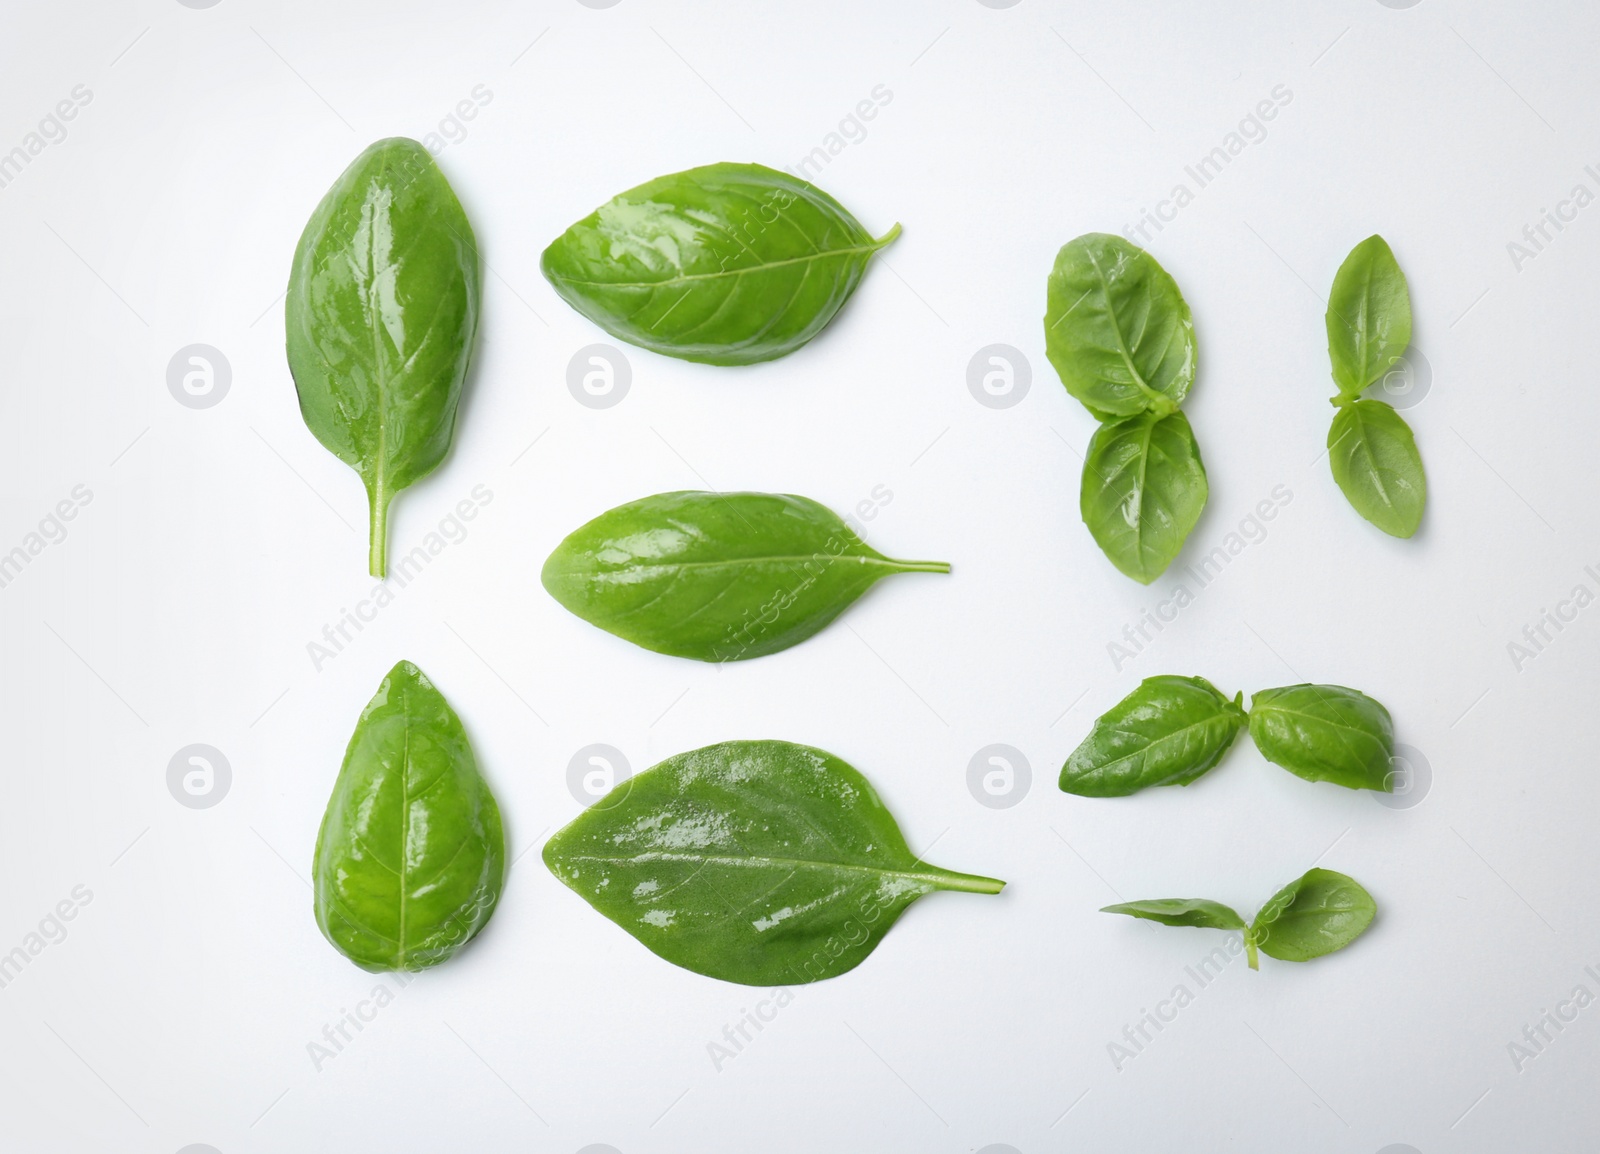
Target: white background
220,541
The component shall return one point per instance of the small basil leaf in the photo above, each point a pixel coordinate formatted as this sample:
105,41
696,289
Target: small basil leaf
1319,913
1144,486
1117,329
1168,731
1325,733
1369,316
410,859
728,264
759,862
381,310
716,576
1375,460
1181,912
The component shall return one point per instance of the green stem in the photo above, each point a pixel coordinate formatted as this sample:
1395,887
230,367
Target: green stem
970,883
921,566
378,535
1250,951
887,238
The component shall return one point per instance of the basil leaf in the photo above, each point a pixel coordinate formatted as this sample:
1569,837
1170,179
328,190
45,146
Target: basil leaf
381,310
759,862
410,859
1376,463
1143,489
1117,329
1181,912
1325,733
1319,913
716,576
1369,316
1168,731
728,264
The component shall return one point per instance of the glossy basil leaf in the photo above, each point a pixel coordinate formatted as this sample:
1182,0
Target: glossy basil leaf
759,862
1117,329
1369,316
728,264
410,859
1319,913
1325,733
382,307
1168,731
1376,462
1181,912
716,576
1144,486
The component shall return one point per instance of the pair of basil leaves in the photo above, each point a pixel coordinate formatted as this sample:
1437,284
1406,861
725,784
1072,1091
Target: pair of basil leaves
759,862
1316,914
1370,447
1120,336
1171,730
729,264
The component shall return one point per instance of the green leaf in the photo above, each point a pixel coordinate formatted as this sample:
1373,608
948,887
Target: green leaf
1376,463
1319,913
759,862
1143,489
1325,733
1181,912
1117,329
1369,316
410,859
1168,731
728,264
716,576
381,310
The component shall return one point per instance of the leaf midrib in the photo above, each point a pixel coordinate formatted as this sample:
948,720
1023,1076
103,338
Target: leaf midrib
1154,742
938,880
687,278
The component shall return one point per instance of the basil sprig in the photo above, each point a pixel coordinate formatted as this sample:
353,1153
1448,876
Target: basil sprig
1370,447
1319,912
1171,730
1120,336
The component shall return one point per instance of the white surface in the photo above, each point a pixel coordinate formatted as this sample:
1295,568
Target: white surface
180,1006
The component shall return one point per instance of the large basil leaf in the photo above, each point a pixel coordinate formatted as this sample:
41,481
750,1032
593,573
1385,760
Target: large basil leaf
382,306
1143,489
1369,316
1117,329
1376,462
1318,913
410,859
1325,733
760,862
728,264
1181,912
716,576
1168,731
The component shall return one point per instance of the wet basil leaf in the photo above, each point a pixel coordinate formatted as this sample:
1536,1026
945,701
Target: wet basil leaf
1376,462
1181,912
716,576
410,859
728,264
1325,733
1144,487
1369,316
759,862
1319,913
1168,731
381,310
1117,329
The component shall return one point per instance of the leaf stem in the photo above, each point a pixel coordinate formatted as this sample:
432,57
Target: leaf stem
1250,951
378,533
921,566
970,883
887,238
